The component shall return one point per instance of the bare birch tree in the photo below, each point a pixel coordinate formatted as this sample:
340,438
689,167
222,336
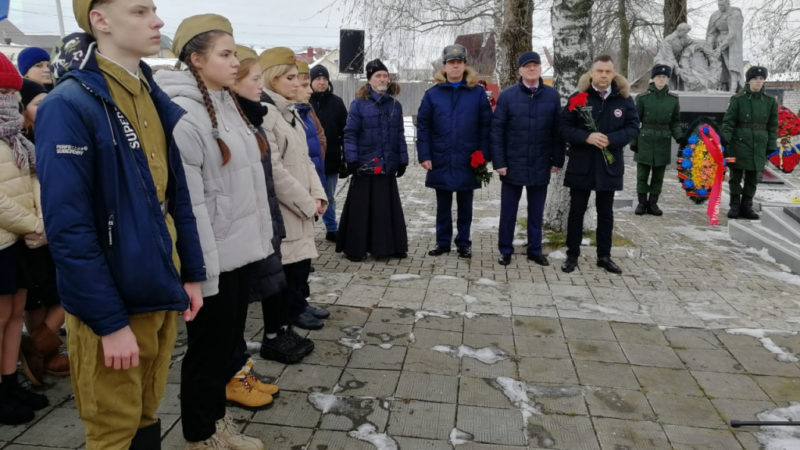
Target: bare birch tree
774,26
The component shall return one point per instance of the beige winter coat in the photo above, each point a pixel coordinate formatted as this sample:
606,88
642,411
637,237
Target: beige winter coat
297,185
18,215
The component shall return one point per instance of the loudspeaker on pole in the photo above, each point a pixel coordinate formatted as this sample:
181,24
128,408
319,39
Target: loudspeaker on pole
351,51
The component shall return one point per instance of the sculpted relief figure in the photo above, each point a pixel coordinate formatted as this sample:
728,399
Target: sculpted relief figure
695,67
724,37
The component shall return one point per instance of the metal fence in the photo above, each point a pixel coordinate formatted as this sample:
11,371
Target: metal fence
410,93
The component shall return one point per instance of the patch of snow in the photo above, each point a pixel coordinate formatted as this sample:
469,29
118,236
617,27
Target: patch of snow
331,294
486,223
599,308
558,254
762,335
517,393
419,315
367,432
445,277
385,346
404,276
780,437
469,314
458,437
467,298
518,242
412,337
784,276
315,279
586,241
354,343
486,282
253,347
324,402
486,355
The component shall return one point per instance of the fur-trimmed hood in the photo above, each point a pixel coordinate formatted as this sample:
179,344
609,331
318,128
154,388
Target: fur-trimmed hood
363,93
470,76
622,83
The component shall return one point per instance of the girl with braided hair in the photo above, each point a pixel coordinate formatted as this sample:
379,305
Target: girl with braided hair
221,152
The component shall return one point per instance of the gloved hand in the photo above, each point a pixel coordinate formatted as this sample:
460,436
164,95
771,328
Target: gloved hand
401,170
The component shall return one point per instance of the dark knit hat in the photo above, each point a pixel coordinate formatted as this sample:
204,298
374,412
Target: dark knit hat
528,57
29,57
375,66
455,51
756,71
9,77
660,69
320,71
30,89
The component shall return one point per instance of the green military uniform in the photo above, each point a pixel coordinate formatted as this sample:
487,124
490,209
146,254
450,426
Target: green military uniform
659,113
750,127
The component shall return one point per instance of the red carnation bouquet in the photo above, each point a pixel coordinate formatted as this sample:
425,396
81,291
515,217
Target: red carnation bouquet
579,101
478,164
787,153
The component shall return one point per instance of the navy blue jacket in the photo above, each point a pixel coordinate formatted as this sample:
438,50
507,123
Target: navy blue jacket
106,229
616,117
525,134
312,139
374,130
453,122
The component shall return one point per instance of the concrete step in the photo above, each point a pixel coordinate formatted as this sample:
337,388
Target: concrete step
780,223
793,212
754,234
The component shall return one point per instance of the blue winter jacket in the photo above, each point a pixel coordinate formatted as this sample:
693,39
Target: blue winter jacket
452,123
105,226
525,134
312,138
374,134
616,117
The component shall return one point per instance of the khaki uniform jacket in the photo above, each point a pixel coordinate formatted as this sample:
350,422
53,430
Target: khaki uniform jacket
297,185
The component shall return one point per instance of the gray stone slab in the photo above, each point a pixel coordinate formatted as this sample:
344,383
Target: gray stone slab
559,399
576,329
709,360
307,377
454,323
603,374
422,419
360,295
549,347
333,331
667,381
492,426
474,368
619,403
70,431
425,360
481,392
596,350
547,370
9,432
422,444
171,403
683,437
280,437
762,362
619,434
27,447
634,333
487,325
369,383
780,389
505,343
425,338
328,353
289,409
428,387
386,333
729,385
683,410
565,432
376,357
348,314
741,409
537,326
651,355
337,440
392,315
352,412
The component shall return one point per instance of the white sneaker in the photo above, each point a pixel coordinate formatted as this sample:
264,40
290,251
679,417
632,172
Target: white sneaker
228,433
211,443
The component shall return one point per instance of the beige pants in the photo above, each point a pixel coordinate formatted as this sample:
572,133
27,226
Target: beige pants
113,404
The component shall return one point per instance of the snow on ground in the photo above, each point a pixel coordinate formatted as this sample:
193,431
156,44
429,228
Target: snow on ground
325,403
354,343
469,314
781,437
558,254
486,355
486,282
253,347
602,309
763,337
419,315
517,393
784,276
445,277
468,299
486,224
367,432
404,276
458,437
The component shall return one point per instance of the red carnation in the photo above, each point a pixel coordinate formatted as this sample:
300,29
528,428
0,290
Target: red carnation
377,170
477,159
578,100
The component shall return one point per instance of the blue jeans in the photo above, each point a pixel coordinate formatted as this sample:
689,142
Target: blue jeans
329,218
444,218
509,204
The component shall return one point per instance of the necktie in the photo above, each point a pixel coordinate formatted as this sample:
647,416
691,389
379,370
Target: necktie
603,93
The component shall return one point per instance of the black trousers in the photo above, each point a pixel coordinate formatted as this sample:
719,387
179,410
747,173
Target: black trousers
294,296
579,200
212,338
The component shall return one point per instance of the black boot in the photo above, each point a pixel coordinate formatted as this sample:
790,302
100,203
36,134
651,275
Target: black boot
283,348
746,211
652,205
736,202
11,411
23,396
147,438
641,208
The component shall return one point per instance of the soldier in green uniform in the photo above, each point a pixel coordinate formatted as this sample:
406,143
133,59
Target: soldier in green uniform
750,127
660,115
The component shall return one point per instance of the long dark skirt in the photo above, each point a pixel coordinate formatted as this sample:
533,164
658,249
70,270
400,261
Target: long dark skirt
372,219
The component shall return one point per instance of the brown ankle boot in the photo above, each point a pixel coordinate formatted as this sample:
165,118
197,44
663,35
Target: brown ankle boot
32,361
44,345
57,364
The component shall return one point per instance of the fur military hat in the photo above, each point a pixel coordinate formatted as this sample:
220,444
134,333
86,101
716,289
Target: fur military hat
276,56
243,53
660,69
756,71
376,65
455,51
197,25
302,67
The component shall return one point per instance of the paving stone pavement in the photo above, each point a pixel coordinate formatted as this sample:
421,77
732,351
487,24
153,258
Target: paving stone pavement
442,353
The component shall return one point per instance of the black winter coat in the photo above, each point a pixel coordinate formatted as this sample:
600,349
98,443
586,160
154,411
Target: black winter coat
525,134
332,114
616,117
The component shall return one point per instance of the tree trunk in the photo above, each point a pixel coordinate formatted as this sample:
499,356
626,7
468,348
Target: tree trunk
674,14
624,37
572,57
515,37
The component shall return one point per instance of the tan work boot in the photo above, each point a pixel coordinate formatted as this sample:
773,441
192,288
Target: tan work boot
240,391
247,372
211,443
57,364
228,432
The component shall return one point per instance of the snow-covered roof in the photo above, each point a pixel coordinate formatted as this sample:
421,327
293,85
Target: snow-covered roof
784,76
